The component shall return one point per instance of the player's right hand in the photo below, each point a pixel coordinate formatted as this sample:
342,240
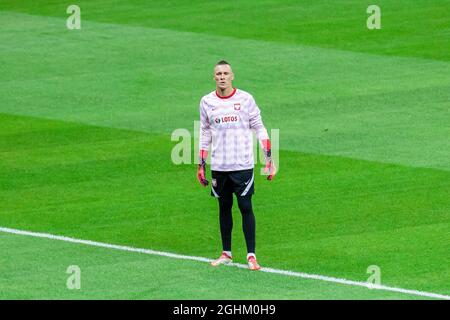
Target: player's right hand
201,175
201,168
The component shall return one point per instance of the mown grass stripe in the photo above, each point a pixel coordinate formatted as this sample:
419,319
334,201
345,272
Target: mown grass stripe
203,259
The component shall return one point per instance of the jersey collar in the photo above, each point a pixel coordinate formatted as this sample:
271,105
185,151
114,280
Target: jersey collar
227,97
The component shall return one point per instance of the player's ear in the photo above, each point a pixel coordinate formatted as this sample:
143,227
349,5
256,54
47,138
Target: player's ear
232,75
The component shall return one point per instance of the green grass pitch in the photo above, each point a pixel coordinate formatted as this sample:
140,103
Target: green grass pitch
86,118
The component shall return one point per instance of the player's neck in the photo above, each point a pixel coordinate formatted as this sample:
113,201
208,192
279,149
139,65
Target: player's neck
224,92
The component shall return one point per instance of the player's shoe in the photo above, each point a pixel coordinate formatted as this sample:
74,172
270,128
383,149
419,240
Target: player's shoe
223,259
253,264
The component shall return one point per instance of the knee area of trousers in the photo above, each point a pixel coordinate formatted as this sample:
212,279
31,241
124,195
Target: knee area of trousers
245,205
226,203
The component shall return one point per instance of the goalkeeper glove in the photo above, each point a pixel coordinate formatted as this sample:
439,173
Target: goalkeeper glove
269,168
201,168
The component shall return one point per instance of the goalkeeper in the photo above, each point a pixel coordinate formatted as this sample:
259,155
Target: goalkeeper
228,116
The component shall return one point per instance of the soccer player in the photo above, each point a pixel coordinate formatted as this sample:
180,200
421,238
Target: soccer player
228,116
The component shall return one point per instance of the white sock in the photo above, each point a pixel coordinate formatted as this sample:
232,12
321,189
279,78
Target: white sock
228,253
251,254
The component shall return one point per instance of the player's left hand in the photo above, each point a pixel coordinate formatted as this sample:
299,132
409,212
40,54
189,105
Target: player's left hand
270,169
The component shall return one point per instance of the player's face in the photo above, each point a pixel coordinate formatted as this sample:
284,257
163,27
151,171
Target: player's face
223,75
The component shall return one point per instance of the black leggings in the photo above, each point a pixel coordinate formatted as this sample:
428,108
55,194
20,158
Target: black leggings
226,221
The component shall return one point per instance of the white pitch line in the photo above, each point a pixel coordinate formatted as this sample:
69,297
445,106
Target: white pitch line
202,259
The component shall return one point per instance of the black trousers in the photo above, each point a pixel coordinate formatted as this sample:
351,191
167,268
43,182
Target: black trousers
226,220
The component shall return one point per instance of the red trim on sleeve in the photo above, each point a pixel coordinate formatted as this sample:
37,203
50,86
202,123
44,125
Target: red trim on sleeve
229,96
203,154
266,144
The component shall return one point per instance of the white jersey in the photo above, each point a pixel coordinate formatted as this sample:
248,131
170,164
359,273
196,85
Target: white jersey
226,123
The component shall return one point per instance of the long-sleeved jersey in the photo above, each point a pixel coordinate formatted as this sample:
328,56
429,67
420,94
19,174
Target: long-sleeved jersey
226,123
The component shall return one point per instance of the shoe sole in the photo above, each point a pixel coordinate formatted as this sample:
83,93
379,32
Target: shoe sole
253,268
225,262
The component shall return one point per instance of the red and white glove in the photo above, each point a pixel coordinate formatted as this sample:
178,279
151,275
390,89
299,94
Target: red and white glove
269,168
201,168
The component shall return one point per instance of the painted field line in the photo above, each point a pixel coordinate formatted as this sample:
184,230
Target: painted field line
202,259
